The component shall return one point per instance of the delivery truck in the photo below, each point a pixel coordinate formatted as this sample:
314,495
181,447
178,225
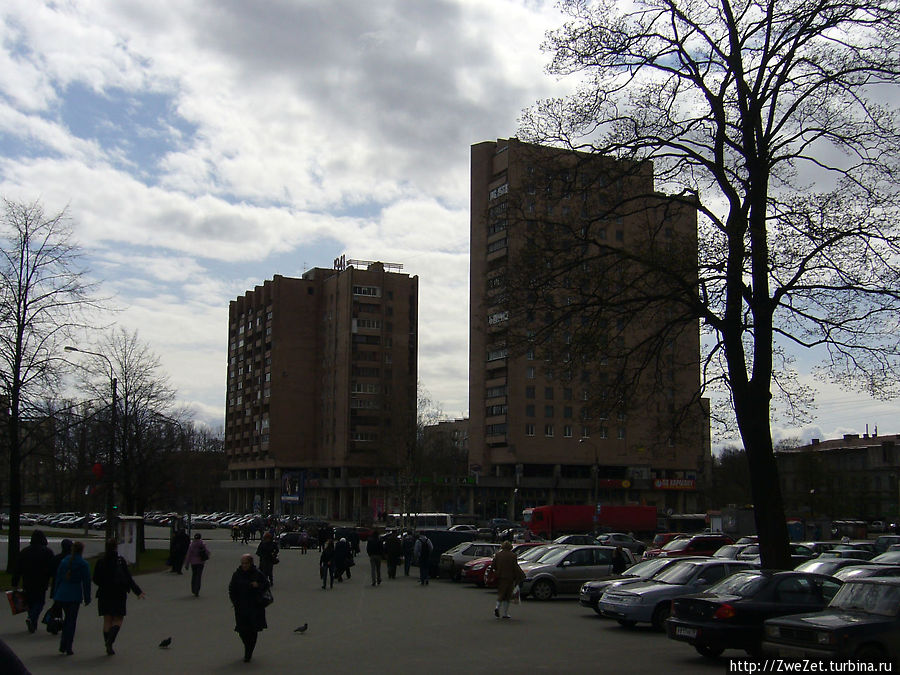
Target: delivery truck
553,520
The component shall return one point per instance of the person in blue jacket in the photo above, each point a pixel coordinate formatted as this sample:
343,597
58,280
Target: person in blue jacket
72,586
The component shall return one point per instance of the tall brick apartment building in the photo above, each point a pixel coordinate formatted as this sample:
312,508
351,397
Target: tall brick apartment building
321,398
550,429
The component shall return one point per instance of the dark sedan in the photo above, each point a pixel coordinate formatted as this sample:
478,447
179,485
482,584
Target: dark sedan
861,623
730,615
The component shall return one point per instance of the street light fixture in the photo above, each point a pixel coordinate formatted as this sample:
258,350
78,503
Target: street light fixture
111,456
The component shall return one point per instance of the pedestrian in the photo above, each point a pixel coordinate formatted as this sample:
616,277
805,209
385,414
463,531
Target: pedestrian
245,533
409,548
326,563
113,583
393,551
322,537
235,533
54,616
34,567
247,591
72,587
509,575
178,549
268,557
423,556
196,557
304,541
619,563
343,558
375,550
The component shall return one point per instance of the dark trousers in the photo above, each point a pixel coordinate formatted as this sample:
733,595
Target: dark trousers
392,568
67,636
375,564
423,572
407,563
327,574
248,637
196,576
34,612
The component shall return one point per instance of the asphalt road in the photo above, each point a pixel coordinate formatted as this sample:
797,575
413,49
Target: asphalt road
397,627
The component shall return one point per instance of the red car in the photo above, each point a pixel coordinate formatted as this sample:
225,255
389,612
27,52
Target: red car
659,541
480,572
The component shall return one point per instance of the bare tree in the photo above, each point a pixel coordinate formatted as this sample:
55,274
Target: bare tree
765,117
44,294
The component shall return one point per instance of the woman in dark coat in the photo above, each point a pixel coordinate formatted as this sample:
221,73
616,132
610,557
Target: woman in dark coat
246,593
113,583
326,563
268,556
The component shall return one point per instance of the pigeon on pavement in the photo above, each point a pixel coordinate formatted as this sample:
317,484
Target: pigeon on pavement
165,643
301,629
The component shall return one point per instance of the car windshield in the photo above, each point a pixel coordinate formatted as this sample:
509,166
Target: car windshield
679,573
647,568
744,584
848,573
882,599
816,567
459,547
676,545
892,557
533,553
553,556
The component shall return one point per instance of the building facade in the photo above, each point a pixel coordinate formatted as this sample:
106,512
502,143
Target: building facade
849,478
547,426
321,397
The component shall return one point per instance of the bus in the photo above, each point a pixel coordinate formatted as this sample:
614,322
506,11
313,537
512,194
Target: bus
420,521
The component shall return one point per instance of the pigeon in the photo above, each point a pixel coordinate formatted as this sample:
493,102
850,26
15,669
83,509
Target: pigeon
165,643
301,629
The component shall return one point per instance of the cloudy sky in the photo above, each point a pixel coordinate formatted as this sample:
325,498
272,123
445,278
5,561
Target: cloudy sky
202,147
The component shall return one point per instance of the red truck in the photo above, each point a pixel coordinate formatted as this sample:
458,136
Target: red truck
552,520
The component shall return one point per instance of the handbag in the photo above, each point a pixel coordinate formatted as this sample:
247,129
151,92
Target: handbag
266,598
17,601
516,595
53,619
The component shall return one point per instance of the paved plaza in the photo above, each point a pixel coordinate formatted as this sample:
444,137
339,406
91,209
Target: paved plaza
397,627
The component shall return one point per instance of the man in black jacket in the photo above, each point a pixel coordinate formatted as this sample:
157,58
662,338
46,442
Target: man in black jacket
34,567
375,549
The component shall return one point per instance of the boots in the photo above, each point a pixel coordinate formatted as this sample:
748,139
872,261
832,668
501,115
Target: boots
109,638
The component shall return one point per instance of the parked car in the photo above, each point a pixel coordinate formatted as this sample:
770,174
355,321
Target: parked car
887,558
477,569
730,551
861,623
864,571
660,540
699,544
452,560
650,601
819,547
844,551
730,615
591,591
565,571
748,539
636,546
463,528
577,539
828,566
799,553
885,541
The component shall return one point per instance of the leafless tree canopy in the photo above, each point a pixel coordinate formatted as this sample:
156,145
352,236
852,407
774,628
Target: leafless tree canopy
778,121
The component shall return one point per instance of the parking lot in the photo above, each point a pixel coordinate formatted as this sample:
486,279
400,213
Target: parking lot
398,627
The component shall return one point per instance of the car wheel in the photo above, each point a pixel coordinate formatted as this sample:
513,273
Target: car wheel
709,652
660,614
627,623
542,590
870,654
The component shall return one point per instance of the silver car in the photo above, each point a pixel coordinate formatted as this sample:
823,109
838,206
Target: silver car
650,601
564,570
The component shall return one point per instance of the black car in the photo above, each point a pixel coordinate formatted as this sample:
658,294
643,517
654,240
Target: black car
861,623
730,615
292,540
641,571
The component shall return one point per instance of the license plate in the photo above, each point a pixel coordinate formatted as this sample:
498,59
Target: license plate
683,631
791,653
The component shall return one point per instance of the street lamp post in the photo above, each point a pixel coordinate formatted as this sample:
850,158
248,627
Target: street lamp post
111,456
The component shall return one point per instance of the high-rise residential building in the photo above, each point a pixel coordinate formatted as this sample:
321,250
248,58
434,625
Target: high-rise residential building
321,398
550,423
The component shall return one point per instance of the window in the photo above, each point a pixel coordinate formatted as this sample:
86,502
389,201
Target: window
548,411
498,317
548,393
529,410
529,391
529,373
372,291
567,431
494,392
548,430
604,432
585,432
567,412
621,433
529,430
567,394
498,245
